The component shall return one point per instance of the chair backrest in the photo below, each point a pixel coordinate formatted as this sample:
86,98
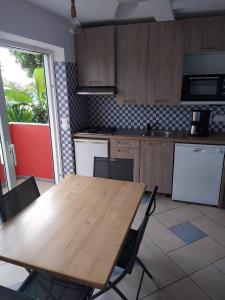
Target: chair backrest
114,168
18,198
149,211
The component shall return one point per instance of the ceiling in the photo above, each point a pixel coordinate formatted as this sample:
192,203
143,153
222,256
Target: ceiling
103,11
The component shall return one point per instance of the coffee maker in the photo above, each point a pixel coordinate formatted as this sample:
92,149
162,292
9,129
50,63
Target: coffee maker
200,123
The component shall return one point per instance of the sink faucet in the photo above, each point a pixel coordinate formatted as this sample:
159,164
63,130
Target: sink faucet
149,126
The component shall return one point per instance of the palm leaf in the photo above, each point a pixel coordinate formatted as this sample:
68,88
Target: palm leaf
15,95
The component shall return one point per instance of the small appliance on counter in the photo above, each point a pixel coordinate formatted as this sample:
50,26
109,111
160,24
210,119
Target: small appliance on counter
200,123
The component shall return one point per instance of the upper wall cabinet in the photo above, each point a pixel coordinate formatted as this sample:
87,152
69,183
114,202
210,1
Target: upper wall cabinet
132,63
96,56
165,68
205,34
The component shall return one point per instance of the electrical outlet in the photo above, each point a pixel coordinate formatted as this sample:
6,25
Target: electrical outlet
219,118
65,123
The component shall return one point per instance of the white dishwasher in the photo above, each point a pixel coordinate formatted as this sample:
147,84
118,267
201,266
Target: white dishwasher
197,173
85,151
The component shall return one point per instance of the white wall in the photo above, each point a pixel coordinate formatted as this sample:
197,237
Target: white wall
22,18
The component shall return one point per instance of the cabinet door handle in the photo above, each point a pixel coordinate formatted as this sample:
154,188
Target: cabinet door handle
96,82
211,48
123,143
130,101
124,150
162,100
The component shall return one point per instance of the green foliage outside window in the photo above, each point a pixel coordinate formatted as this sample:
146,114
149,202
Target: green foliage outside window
28,104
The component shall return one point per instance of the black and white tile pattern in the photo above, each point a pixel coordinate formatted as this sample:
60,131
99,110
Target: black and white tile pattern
64,114
71,107
78,104
105,111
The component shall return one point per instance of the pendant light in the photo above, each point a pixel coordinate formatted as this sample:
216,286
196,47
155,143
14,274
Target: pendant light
74,24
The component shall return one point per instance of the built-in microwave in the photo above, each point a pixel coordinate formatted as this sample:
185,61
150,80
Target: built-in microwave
207,89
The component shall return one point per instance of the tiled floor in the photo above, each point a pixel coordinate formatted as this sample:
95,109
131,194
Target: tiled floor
181,271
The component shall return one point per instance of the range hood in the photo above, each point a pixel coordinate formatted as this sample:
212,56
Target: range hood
86,90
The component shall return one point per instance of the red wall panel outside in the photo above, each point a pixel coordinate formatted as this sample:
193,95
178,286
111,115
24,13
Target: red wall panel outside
33,149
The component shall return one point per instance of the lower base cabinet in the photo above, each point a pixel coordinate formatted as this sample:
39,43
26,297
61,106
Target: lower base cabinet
128,154
156,165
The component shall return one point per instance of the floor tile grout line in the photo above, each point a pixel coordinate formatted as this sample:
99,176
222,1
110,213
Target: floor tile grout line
178,223
217,267
200,288
170,260
167,209
213,207
212,263
162,288
213,240
186,274
161,249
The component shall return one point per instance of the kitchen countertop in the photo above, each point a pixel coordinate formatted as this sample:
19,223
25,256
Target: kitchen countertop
179,137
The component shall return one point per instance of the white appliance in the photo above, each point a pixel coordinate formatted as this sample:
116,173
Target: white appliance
197,173
85,151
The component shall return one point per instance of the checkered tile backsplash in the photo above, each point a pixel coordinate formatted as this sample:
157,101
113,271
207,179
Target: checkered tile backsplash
105,111
70,106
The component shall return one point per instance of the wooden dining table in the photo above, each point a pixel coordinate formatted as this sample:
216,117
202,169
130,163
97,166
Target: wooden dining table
75,230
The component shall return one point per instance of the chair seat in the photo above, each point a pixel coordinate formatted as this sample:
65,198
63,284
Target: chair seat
43,286
127,250
7,294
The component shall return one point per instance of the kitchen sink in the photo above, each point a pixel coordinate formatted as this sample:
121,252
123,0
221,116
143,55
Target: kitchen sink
160,133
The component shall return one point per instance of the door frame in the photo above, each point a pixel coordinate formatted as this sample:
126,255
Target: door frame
52,99
7,150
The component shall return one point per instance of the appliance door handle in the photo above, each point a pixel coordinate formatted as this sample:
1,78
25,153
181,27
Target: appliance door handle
91,142
204,77
199,150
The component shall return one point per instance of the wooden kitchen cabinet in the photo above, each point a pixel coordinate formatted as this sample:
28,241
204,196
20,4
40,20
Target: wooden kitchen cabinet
156,165
205,34
128,149
165,67
132,63
96,56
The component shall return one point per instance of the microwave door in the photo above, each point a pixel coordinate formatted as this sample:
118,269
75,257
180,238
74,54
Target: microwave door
201,87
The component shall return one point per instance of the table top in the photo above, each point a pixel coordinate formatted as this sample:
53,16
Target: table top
75,230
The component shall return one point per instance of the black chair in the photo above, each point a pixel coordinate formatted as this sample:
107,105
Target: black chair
38,285
7,294
114,168
18,198
42,286
129,254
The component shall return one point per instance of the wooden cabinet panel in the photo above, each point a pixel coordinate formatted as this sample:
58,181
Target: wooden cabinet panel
205,34
134,144
132,63
96,56
128,154
156,165
166,52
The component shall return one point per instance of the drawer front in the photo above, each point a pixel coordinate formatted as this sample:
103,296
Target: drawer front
133,144
128,154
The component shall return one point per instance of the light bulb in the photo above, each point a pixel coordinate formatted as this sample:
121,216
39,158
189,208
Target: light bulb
74,26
